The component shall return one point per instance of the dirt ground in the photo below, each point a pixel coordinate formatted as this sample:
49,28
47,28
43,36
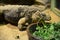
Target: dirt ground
10,32
54,17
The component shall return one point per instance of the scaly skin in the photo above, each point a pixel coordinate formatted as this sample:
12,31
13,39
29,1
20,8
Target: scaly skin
35,17
14,15
24,15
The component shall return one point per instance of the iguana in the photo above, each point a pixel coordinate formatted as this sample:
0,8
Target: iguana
24,16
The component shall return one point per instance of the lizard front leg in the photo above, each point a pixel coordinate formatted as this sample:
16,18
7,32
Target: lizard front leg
21,22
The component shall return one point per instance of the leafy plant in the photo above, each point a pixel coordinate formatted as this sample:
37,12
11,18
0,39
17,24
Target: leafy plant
57,31
47,31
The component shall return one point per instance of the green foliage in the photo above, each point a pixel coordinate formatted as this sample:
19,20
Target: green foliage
48,31
45,32
57,31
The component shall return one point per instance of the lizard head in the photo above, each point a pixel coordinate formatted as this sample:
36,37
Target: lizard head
40,15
